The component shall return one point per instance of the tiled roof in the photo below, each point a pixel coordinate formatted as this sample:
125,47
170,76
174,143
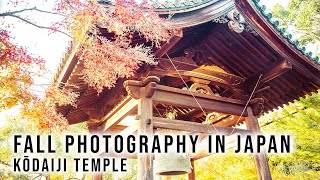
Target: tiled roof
282,31
190,5
179,4
167,5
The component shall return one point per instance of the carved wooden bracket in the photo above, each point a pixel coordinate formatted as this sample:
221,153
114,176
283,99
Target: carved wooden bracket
201,86
236,22
133,86
257,106
214,74
212,117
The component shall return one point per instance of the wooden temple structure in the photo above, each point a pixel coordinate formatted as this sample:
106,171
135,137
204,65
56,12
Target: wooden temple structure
228,64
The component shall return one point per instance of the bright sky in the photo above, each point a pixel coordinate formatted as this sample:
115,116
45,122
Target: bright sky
39,42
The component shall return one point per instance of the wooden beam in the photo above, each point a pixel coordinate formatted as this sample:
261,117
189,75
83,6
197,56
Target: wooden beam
276,71
268,74
119,112
145,127
183,98
127,131
261,160
162,122
191,115
130,129
168,45
195,127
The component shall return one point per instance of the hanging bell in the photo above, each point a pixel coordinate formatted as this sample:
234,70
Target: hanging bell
171,163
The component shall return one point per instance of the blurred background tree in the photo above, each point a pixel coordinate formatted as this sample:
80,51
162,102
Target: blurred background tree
301,120
302,19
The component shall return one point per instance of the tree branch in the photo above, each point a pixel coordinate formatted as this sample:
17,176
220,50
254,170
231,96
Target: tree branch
29,9
4,163
40,175
49,12
38,26
15,12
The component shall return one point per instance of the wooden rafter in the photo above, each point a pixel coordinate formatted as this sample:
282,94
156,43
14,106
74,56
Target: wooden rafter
301,63
268,74
168,45
118,113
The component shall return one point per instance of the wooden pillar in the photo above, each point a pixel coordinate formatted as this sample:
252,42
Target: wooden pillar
97,176
116,175
92,125
261,160
192,175
145,161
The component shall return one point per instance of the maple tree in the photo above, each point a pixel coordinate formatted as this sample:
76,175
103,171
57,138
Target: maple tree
105,58
15,72
300,119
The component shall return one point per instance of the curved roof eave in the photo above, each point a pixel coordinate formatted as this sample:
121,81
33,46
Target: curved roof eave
200,14
260,21
207,10
181,6
255,15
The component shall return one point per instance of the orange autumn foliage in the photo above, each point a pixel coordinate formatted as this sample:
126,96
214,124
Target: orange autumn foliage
16,69
42,111
105,59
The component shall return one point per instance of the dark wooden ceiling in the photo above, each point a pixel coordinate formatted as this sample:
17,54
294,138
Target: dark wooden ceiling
244,55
